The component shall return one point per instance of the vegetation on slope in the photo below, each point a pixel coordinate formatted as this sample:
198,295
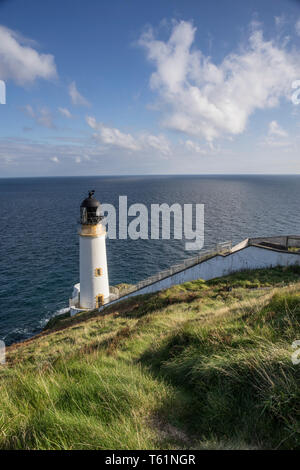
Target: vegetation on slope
201,365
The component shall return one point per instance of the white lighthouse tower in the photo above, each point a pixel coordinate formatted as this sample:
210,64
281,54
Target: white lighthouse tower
94,285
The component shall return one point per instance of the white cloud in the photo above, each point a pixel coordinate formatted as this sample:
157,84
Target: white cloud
65,112
76,97
112,136
297,27
29,110
45,118
194,147
276,143
41,116
275,129
277,137
34,155
280,20
20,156
115,138
20,62
200,98
156,142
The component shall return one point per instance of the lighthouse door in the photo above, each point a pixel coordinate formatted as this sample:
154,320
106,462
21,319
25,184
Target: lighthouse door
99,300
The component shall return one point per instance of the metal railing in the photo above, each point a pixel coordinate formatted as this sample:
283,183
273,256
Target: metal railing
220,249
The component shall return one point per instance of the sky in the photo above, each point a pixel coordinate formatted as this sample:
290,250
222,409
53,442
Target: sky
128,87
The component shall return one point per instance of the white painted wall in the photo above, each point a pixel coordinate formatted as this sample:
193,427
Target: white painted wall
92,254
74,300
251,257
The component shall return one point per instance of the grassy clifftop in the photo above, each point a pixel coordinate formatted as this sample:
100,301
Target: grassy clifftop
202,365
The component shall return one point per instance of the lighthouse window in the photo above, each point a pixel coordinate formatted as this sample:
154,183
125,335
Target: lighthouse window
98,272
99,300
83,215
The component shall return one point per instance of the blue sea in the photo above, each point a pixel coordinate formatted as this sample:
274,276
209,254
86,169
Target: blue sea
39,240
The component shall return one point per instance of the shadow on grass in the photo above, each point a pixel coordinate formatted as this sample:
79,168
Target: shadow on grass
238,379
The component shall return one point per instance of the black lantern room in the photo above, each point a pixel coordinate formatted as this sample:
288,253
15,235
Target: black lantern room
90,210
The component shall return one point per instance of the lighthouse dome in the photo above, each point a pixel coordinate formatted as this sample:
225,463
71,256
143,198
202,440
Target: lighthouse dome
90,210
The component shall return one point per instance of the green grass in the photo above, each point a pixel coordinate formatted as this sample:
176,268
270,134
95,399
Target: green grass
198,366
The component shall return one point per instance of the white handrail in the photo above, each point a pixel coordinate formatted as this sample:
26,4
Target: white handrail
221,248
